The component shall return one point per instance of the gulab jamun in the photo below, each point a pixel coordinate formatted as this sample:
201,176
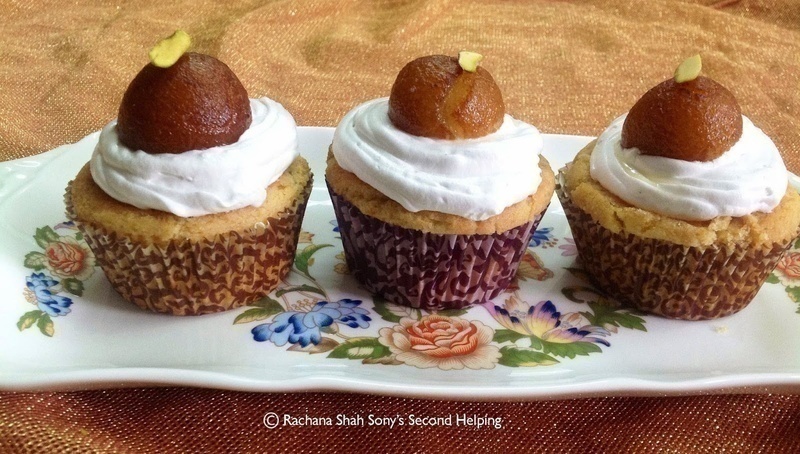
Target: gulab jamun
434,97
196,103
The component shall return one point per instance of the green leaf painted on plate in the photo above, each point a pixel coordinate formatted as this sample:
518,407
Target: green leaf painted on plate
45,236
79,236
255,314
603,314
300,288
28,319
452,312
394,312
303,259
267,303
506,335
45,325
73,286
360,348
796,244
794,293
524,357
570,350
773,279
35,260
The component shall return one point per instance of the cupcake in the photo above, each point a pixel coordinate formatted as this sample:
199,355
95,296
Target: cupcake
681,207
193,198
436,190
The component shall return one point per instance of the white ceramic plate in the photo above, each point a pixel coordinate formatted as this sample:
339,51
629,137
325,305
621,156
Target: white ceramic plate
580,345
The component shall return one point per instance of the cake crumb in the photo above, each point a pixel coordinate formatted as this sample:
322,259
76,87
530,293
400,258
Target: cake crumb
721,329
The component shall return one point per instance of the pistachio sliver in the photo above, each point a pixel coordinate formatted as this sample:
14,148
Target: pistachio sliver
169,50
469,60
689,69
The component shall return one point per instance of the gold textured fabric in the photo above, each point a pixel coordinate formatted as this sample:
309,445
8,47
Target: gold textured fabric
567,67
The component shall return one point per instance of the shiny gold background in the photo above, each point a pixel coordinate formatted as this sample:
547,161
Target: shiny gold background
566,67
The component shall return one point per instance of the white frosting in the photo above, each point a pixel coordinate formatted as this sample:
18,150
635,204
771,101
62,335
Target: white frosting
749,177
200,182
472,178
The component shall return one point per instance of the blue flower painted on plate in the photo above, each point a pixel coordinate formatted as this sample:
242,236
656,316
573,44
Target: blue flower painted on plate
304,328
55,305
543,237
335,225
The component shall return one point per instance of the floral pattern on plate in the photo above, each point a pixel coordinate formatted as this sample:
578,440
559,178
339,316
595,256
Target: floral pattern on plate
62,264
524,334
305,317
787,273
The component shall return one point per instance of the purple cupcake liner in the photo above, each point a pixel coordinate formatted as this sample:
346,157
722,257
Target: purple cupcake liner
428,270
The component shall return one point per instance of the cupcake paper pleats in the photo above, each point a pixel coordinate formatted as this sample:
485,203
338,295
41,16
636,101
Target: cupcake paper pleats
665,278
427,270
191,277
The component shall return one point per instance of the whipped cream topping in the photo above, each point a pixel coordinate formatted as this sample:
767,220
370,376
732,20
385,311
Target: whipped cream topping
748,178
472,178
200,182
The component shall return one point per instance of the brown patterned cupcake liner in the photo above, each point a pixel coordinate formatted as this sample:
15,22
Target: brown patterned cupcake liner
189,277
668,279
427,270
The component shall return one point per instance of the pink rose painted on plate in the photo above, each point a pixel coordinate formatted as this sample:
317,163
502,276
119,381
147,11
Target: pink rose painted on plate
788,269
445,342
68,258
